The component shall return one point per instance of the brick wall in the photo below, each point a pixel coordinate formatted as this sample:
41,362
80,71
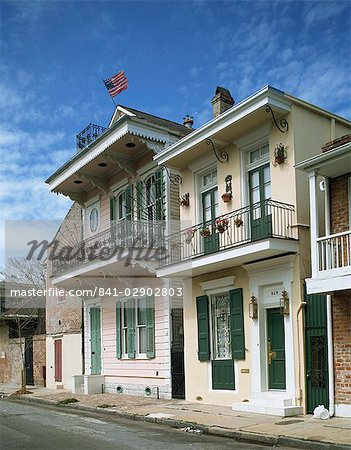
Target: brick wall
339,204
342,346
64,315
39,359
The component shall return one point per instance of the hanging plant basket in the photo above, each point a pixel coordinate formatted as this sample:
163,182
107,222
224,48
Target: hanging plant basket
222,225
205,232
238,221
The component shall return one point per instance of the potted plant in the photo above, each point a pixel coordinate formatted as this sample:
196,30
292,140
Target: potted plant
205,232
226,197
221,224
238,221
279,154
189,234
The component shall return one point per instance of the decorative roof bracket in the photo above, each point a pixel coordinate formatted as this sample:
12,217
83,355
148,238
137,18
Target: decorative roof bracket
98,182
154,146
283,125
123,164
222,157
174,178
74,196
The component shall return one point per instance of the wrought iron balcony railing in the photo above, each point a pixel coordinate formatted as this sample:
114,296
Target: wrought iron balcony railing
88,135
334,252
110,245
251,223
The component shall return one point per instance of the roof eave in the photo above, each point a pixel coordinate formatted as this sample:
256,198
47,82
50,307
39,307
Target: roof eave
267,95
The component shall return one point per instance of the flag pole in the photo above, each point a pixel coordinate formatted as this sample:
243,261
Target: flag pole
109,94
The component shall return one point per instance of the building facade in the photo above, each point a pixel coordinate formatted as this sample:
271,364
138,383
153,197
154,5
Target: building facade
330,284
132,336
242,251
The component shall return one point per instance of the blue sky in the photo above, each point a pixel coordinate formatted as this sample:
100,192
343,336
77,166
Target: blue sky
54,53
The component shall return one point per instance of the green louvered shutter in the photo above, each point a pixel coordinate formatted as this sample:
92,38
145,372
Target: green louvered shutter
203,328
159,187
113,217
118,331
139,199
131,328
129,202
112,209
237,323
150,327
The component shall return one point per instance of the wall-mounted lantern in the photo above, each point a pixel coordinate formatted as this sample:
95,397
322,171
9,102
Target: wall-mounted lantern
228,195
184,200
280,154
284,304
253,308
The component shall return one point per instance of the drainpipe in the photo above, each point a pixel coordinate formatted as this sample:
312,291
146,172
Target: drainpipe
302,304
329,310
330,357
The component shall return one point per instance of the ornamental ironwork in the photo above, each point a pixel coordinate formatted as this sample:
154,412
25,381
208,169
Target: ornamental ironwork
88,135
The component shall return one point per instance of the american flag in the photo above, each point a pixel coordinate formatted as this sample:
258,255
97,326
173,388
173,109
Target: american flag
116,84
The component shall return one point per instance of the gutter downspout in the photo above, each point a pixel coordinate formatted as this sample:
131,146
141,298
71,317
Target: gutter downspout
302,304
330,357
329,311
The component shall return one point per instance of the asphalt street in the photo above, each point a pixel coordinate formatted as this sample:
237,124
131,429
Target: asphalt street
31,427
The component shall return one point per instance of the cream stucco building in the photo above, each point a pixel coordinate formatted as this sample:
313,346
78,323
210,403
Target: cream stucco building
243,249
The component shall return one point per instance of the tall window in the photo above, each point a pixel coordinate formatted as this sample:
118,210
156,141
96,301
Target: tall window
151,197
135,328
209,196
122,206
221,335
141,326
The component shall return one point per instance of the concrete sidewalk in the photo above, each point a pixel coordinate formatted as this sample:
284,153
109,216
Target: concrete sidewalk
298,432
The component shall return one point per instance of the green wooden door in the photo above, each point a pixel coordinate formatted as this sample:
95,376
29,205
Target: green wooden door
260,192
95,341
209,214
316,352
275,349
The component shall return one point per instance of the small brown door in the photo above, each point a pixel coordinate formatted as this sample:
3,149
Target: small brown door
58,359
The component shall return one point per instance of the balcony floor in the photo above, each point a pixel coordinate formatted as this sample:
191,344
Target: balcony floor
232,257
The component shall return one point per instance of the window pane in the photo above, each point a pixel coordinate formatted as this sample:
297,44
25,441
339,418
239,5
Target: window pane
255,195
142,340
267,191
254,156
141,311
254,179
266,174
265,150
207,200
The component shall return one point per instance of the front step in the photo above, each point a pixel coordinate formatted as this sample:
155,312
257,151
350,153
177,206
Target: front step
281,411
274,403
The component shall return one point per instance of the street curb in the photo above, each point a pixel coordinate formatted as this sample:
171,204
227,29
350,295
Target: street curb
244,436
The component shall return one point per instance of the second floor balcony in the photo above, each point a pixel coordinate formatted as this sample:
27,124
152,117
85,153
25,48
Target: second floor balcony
115,250
334,254
248,234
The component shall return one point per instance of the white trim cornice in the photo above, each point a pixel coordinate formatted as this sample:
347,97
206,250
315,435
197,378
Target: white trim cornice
283,262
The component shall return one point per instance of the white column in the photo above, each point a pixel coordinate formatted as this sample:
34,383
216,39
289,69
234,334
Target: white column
327,206
314,222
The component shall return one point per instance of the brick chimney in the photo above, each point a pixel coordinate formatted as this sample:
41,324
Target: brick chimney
221,101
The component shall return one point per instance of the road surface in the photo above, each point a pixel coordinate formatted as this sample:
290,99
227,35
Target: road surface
26,426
